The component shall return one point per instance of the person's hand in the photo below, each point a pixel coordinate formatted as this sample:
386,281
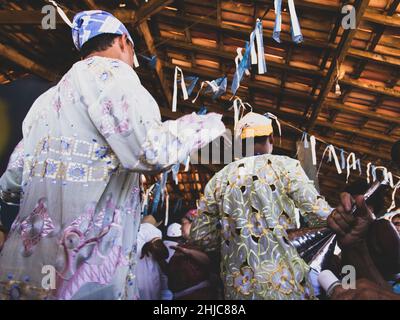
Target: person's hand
350,228
180,249
365,290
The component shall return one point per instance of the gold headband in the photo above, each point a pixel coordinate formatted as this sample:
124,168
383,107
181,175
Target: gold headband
257,131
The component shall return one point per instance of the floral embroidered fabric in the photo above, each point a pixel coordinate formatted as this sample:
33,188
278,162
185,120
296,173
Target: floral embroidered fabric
245,212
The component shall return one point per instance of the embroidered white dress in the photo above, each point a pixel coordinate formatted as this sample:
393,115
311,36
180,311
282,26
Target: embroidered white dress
76,176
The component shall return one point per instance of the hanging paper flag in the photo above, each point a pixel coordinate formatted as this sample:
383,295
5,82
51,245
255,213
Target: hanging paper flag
258,57
332,153
190,83
278,21
242,66
151,61
217,87
295,25
203,110
294,21
183,86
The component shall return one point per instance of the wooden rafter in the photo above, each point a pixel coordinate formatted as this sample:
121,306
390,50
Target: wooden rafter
26,63
29,17
338,58
148,38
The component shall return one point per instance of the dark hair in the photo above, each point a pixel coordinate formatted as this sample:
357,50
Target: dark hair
396,153
256,140
98,43
376,201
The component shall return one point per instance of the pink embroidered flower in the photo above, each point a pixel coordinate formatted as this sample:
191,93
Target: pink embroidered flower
35,227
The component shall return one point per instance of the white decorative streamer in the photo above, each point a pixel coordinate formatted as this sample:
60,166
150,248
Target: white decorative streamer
353,165
313,152
332,153
259,56
297,36
62,14
183,86
166,208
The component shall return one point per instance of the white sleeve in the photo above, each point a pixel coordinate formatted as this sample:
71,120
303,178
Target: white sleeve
129,119
11,180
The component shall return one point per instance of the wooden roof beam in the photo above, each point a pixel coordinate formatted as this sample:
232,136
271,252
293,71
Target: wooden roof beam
126,16
337,59
374,57
148,38
257,85
171,16
231,56
362,113
27,63
371,87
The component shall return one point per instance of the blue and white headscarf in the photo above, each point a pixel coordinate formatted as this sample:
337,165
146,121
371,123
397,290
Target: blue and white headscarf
89,24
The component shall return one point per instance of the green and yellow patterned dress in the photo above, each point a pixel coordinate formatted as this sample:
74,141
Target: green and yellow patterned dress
246,211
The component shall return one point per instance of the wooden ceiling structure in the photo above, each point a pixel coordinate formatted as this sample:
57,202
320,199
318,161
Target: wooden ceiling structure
201,37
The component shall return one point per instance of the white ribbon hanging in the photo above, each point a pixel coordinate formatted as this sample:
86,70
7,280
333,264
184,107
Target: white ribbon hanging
313,152
368,170
393,204
135,61
332,153
278,20
166,208
296,32
62,14
258,57
146,197
305,137
353,165
390,178
274,117
238,109
358,164
342,159
183,86
305,142
387,175
187,163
